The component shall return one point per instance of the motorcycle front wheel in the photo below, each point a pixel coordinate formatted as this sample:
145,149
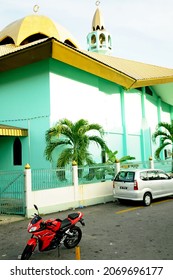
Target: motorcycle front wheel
27,252
74,238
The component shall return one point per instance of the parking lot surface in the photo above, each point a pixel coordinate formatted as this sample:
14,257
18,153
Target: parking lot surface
113,231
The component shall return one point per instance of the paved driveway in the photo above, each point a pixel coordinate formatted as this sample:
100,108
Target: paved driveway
112,231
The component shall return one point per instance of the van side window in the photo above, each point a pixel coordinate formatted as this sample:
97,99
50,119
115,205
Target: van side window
143,176
162,176
153,175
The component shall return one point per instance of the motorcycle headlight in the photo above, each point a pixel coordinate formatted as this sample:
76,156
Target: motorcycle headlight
32,229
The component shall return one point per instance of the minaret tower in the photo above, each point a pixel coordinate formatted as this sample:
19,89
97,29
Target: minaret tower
99,40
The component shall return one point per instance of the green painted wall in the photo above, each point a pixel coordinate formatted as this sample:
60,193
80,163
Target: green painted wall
134,113
26,95
24,99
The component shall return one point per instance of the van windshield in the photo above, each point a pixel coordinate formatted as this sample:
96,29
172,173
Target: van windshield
125,176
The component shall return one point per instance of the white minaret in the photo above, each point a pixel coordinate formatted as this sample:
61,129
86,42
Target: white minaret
99,40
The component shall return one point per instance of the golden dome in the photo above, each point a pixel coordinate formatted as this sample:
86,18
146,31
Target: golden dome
32,28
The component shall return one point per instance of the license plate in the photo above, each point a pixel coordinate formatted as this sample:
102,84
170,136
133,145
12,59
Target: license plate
123,188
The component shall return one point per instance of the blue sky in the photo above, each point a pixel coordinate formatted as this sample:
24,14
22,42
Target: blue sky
141,30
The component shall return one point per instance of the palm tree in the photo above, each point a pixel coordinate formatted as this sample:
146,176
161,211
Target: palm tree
164,131
112,158
74,139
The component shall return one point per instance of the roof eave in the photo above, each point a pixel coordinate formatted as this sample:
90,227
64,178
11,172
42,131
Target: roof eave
86,63
26,56
151,82
52,48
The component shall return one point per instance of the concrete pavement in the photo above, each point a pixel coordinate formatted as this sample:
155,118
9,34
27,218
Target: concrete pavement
112,232
5,219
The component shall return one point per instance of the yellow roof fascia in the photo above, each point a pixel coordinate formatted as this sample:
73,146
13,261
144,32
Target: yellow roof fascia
81,61
104,67
151,82
6,130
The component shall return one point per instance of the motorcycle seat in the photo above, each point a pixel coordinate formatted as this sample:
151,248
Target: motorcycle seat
65,223
73,216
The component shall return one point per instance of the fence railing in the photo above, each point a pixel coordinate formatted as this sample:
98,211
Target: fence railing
12,196
51,178
96,173
63,177
73,184
135,165
165,165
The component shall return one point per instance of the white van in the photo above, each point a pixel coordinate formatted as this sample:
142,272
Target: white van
142,185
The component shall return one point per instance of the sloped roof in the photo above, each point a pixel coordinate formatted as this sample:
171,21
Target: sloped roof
142,74
127,73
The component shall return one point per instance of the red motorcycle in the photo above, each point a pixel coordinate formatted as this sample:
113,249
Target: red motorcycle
52,233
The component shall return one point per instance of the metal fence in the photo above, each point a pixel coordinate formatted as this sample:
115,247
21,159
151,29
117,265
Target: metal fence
12,185
165,165
12,192
96,173
51,178
135,165
58,178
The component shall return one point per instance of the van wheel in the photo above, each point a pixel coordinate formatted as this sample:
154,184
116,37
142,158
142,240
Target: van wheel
147,199
120,200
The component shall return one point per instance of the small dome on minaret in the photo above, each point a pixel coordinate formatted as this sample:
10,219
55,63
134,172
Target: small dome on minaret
99,40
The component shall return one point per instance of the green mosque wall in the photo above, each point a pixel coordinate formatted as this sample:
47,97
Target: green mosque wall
25,98
132,112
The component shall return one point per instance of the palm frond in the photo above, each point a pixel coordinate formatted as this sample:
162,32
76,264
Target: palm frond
78,135
159,149
164,132
99,141
48,151
65,157
126,158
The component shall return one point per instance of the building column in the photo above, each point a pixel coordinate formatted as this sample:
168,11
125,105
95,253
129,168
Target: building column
159,109
146,145
123,117
171,114
143,126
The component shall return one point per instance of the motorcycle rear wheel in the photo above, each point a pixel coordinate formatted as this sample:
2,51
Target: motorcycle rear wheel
72,241
27,252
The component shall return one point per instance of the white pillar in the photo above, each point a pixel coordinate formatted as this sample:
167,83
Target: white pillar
151,163
28,189
117,167
75,180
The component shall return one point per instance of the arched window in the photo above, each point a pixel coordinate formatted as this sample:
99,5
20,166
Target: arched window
93,39
102,38
17,152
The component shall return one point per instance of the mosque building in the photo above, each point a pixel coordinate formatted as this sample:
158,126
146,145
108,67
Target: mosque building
45,76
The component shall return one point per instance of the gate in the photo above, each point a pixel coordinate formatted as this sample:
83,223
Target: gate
12,192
